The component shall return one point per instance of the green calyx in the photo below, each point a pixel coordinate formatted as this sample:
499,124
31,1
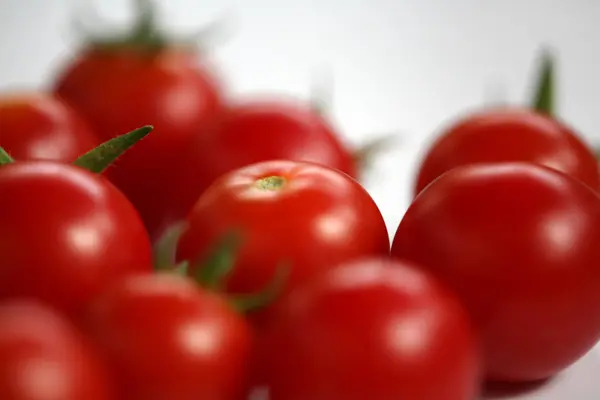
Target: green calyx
543,95
101,157
5,158
212,271
272,183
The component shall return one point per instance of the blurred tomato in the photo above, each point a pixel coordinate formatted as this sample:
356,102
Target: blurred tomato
42,357
40,126
121,89
510,134
520,244
65,234
372,329
166,339
304,214
251,132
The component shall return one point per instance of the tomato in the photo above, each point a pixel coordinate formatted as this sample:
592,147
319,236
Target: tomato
42,357
40,126
371,329
65,234
165,338
520,244
302,214
122,90
510,134
251,132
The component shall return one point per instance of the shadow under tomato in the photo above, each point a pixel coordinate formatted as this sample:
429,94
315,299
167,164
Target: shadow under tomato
504,390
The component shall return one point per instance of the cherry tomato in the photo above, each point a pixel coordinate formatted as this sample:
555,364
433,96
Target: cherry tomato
40,126
510,134
65,234
251,132
520,244
42,357
118,91
371,329
166,339
301,214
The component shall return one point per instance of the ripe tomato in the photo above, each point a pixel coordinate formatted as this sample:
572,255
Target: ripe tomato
122,90
167,339
371,329
520,244
40,126
65,234
252,132
304,214
42,357
499,135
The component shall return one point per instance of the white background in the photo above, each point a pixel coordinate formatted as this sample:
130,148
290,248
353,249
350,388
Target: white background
399,65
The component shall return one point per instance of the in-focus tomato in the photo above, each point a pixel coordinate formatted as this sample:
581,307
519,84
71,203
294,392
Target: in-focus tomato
42,357
510,134
40,126
306,215
167,339
256,131
121,89
371,329
520,244
65,234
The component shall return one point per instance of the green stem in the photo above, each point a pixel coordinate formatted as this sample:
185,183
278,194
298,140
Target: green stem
166,247
252,302
211,273
5,158
543,99
100,158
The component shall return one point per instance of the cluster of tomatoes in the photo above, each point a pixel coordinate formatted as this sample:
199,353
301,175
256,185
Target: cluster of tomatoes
232,252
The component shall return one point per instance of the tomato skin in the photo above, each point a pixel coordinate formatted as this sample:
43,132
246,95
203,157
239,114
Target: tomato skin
42,357
317,208
510,134
40,126
256,131
372,329
121,91
519,243
167,339
65,234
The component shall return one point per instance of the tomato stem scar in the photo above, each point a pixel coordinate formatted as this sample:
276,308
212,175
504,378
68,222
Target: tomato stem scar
271,182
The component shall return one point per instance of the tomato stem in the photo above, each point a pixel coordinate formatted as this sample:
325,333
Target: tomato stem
211,273
101,157
543,99
5,158
166,247
364,155
271,182
248,303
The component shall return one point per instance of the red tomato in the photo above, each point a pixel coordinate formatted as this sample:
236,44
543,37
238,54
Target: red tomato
166,339
122,90
304,214
520,244
39,126
42,357
372,329
252,132
499,135
65,234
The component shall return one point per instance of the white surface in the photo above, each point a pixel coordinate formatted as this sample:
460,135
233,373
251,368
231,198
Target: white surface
405,66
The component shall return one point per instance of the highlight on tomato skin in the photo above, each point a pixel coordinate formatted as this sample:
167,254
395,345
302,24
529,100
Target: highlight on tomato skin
509,134
519,243
303,214
39,126
66,234
370,328
43,356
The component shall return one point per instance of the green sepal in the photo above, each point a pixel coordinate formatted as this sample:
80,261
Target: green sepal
5,158
544,89
101,157
248,303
